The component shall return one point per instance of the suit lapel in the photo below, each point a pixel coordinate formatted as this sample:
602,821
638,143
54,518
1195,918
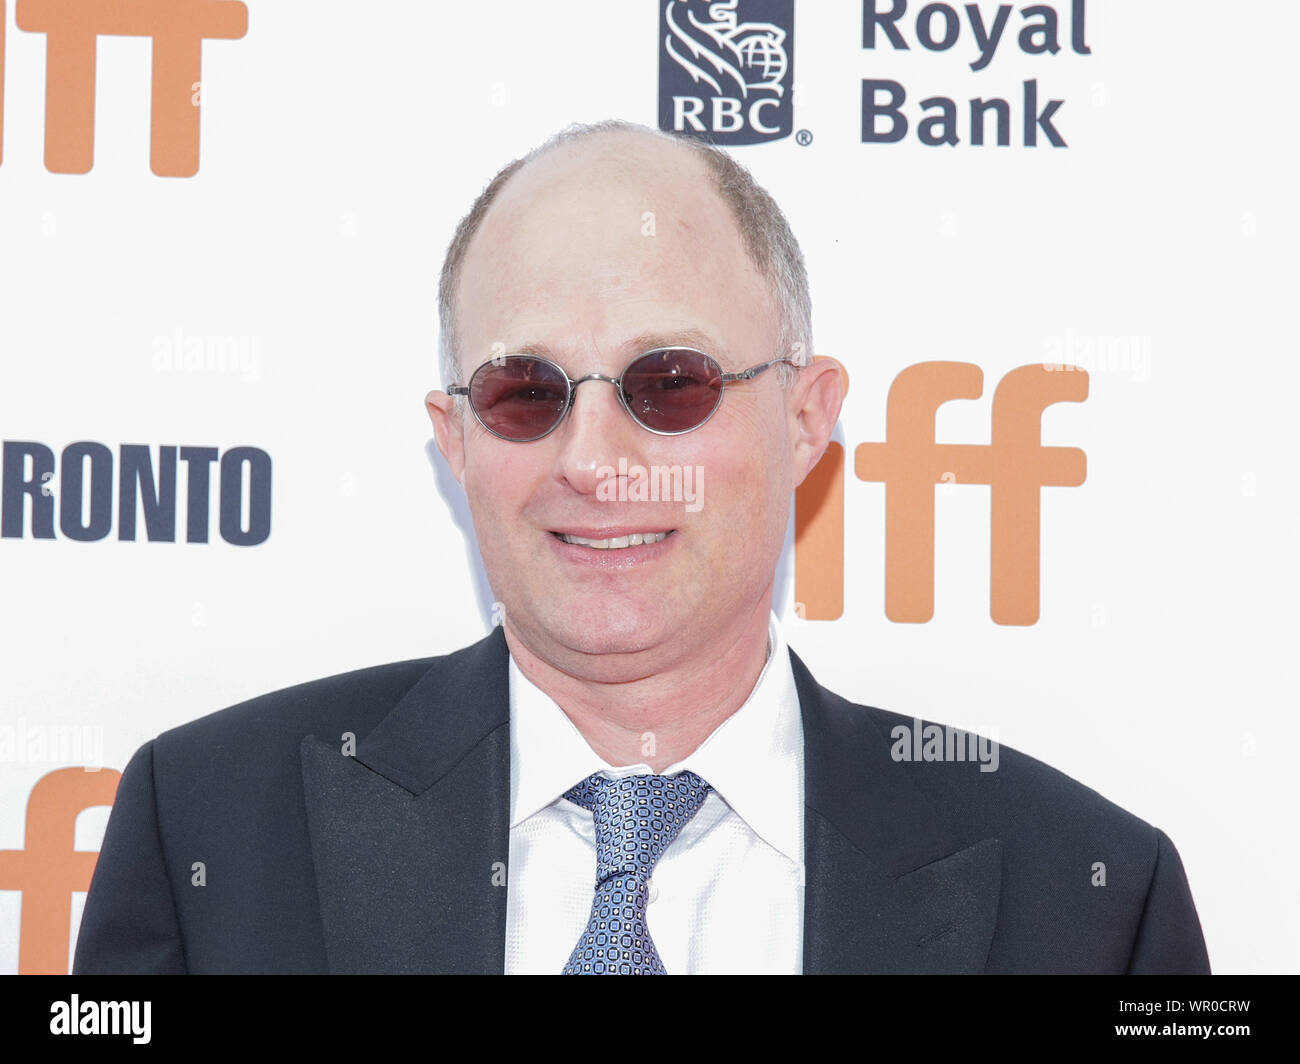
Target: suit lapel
887,888
411,836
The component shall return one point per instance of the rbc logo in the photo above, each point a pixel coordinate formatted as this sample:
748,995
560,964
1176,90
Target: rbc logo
723,79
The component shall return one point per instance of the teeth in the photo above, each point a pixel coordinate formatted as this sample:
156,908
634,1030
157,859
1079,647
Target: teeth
633,540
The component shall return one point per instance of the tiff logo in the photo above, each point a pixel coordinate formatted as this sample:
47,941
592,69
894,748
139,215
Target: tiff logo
50,868
910,463
72,30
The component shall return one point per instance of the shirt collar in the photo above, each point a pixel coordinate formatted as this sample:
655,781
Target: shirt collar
753,759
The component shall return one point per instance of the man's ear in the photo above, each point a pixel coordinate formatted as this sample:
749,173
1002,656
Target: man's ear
448,431
814,402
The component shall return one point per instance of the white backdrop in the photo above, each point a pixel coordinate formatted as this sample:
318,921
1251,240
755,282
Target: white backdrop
341,143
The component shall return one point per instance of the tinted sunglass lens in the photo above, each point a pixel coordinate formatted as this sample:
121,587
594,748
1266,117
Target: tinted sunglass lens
672,390
519,397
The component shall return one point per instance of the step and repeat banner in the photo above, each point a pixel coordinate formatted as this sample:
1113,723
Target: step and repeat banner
1052,246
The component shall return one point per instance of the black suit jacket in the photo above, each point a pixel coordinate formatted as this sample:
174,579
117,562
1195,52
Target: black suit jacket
250,841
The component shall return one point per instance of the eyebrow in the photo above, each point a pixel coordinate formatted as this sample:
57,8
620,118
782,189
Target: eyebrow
639,344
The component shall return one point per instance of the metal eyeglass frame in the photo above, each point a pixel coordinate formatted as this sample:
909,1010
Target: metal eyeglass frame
572,389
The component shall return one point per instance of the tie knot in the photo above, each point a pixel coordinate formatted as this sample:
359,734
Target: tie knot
637,818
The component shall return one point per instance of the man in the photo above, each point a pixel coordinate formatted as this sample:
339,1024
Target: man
632,773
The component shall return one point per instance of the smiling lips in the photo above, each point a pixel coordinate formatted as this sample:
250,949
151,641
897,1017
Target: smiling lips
631,539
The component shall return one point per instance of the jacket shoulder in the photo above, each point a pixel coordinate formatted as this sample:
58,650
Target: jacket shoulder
359,696
1078,870
270,727
984,786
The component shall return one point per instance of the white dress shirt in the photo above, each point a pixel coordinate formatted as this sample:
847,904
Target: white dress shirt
727,896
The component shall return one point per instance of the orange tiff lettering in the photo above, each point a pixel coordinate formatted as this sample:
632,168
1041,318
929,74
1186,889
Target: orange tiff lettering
72,30
1015,466
48,870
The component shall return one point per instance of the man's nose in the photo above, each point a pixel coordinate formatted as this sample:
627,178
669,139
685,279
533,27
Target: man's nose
595,435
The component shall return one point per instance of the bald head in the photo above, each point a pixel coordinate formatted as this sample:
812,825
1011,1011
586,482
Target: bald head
603,245
640,181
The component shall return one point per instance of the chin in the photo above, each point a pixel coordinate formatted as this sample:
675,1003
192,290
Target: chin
608,626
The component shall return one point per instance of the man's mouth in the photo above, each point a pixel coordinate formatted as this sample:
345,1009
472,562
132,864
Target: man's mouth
631,539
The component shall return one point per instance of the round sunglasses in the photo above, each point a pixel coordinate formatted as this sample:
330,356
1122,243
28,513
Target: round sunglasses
668,390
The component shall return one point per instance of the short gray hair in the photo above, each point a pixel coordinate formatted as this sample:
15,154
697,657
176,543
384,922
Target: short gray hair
767,237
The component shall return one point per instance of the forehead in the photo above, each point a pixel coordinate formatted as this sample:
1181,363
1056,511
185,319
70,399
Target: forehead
600,247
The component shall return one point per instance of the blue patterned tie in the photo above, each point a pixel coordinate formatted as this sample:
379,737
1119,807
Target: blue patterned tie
637,818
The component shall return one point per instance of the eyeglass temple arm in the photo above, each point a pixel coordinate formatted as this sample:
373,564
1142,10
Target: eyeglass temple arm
754,371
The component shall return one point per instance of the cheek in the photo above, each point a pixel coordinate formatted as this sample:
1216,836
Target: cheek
758,461
747,491
495,466
494,488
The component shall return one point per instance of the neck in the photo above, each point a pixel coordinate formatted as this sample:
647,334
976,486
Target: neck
658,719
